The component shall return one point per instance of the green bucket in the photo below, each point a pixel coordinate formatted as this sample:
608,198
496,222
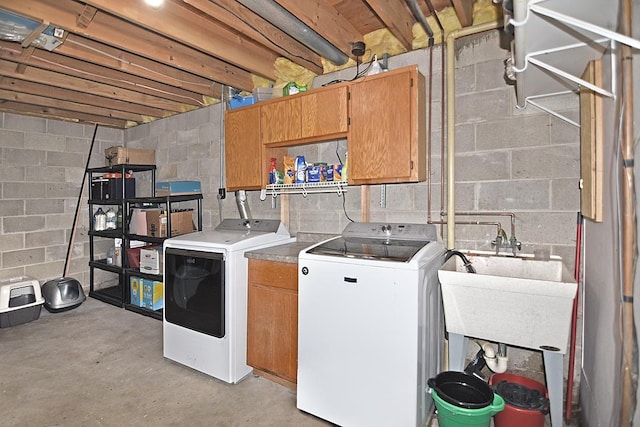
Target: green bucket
453,416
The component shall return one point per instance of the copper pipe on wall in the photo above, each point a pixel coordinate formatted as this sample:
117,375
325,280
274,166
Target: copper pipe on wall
433,12
629,344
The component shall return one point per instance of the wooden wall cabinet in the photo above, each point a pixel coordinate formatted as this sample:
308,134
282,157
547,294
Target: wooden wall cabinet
383,118
243,150
313,116
272,320
386,139
246,158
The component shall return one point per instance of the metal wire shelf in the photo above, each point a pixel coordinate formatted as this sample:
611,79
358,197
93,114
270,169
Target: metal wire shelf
307,188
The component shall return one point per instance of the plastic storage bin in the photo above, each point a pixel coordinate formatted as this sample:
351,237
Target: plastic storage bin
20,301
266,93
239,101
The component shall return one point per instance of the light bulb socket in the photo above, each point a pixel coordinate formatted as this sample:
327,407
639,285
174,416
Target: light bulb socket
358,48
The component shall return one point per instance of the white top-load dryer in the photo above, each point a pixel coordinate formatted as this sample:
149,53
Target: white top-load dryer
370,325
205,313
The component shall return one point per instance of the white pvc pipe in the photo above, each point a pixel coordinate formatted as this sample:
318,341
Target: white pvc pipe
496,363
451,121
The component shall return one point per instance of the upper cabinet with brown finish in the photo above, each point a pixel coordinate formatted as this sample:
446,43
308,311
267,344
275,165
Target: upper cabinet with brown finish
386,140
243,150
382,117
246,158
317,115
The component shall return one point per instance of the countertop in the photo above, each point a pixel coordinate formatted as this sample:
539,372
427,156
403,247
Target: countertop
289,251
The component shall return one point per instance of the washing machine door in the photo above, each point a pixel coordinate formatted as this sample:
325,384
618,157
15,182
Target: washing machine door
194,290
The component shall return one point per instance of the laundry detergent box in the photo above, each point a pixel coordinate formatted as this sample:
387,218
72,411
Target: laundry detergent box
151,260
152,294
135,290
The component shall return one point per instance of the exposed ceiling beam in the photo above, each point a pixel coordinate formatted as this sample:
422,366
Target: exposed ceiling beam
396,17
464,10
37,75
110,30
98,53
235,15
88,71
47,112
173,20
79,97
76,107
324,19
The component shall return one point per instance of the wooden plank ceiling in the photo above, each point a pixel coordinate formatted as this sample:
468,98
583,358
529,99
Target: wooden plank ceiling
123,63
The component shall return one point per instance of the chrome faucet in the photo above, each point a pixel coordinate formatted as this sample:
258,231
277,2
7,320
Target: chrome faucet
502,241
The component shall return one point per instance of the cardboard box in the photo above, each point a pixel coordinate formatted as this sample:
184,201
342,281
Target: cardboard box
126,156
151,260
177,188
181,223
135,290
152,294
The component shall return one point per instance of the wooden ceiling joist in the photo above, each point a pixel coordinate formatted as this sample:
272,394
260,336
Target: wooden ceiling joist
32,88
324,19
37,75
84,70
123,63
172,20
46,112
464,10
396,16
98,53
235,15
128,37
75,107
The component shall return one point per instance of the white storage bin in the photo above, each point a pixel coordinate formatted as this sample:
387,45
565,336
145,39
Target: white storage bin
266,93
20,301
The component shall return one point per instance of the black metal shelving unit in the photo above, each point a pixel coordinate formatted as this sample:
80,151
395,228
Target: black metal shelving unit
119,294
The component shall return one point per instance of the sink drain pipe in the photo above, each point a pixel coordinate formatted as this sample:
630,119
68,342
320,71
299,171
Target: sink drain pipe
496,362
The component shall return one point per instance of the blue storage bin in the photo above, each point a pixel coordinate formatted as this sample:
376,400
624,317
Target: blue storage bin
238,101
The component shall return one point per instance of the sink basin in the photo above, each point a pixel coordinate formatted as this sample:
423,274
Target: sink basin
521,301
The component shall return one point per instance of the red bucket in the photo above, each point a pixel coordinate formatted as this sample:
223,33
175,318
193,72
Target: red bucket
526,401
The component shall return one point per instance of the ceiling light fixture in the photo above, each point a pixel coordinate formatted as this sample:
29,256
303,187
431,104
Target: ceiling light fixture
154,3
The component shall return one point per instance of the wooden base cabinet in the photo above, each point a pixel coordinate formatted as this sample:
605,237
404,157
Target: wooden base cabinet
272,324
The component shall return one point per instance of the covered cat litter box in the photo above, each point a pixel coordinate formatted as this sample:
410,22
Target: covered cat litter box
62,294
20,301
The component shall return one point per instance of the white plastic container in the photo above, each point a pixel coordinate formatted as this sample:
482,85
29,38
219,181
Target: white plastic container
20,301
266,93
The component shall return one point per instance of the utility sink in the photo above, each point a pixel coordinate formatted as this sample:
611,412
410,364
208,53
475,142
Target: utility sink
516,300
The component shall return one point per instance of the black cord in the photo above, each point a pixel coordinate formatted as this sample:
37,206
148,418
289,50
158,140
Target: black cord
363,72
338,154
465,260
344,208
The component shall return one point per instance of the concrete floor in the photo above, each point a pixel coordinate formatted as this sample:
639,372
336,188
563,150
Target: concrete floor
99,365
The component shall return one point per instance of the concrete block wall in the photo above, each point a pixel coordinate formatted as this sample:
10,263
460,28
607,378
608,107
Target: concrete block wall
41,169
520,161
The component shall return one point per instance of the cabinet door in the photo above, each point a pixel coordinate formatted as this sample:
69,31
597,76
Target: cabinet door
280,120
324,112
387,132
243,150
272,323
